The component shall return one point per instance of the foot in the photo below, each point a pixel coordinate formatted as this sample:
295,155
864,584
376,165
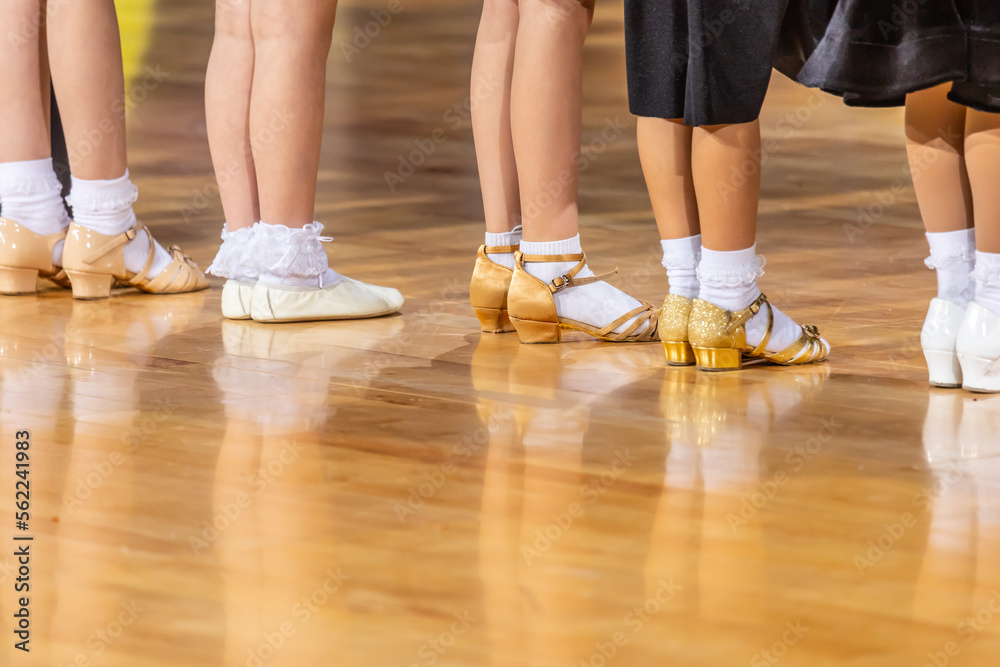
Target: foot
938,338
341,299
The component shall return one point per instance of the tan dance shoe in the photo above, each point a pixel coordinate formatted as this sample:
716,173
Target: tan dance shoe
94,262
673,326
24,256
532,307
488,290
719,338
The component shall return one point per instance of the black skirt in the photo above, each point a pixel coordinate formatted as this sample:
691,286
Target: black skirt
876,51
709,61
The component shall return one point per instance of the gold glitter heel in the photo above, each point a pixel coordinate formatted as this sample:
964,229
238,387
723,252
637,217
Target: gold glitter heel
673,327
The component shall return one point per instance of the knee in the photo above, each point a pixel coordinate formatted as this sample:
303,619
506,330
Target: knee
232,19
307,23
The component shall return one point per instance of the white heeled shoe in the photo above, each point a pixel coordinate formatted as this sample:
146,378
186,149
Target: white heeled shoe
345,299
938,338
236,299
978,350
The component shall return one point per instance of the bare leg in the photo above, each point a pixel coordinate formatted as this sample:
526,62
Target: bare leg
227,110
287,104
24,131
665,153
935,144
492,69
546,98
85,52
982,156
722,156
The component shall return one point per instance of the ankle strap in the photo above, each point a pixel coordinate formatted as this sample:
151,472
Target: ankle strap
496,249
569,278
116,242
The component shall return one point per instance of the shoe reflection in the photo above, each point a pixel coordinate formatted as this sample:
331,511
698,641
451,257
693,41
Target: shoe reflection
268,526
960,572
557,469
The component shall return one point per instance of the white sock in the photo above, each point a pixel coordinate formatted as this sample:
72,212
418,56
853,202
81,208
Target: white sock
513,237
105,207
988,281
729,280
597,304
231,260
953,257
290,256
31,194
680,259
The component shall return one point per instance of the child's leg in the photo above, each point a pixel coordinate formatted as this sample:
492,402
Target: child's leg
30,192
227,111
291,42
727,206
982,156
492,70
546,120
86,60
935,144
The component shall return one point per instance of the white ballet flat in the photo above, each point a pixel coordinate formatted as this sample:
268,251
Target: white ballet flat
345,299
236,299
938,338
979,350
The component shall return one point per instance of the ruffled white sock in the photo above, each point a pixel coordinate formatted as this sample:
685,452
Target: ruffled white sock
513,237
987,281
231,260
31,194
729,280
680,259
953,256
290,256
597,304
105,207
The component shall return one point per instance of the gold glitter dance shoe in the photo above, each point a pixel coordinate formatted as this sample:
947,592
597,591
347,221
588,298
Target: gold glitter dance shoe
719,338
674,317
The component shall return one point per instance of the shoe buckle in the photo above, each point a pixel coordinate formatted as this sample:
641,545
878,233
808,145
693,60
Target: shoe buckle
560,282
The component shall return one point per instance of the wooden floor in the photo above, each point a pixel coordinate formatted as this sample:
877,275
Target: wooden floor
407,492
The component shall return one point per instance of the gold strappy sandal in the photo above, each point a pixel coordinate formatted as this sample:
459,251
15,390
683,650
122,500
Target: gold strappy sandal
94,262
674,317
488,290
532,307
719,338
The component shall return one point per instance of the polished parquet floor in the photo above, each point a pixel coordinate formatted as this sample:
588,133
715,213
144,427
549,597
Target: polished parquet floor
405,491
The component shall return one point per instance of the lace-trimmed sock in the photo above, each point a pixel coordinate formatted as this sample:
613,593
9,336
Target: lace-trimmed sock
230,261
513,237
729,280
987,281
680,259
105,207
290,256
953,257
31,194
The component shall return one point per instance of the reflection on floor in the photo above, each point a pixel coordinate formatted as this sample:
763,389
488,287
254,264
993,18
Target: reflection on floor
405,491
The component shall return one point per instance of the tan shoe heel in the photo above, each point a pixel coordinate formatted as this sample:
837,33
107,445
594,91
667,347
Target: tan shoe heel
531,331
18,281
718,359
90,285
493,320
679,354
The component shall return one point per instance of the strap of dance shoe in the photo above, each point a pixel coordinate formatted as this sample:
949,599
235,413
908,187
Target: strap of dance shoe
497,249
569,278
116,242
807,348
742,317
139,277
645,324
762,348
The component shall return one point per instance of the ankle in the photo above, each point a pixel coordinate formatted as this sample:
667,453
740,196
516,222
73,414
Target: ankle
987,281
728,279
285,255
503,239
104,206
681,258
952,256
231,260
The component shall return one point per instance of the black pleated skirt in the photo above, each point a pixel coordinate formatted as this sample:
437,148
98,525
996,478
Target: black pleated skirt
709,61
874,52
